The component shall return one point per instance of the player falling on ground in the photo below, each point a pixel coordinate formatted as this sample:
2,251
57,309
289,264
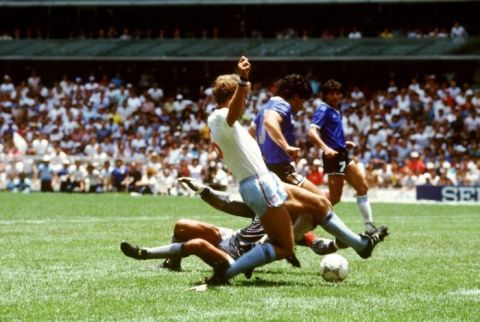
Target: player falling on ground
192,237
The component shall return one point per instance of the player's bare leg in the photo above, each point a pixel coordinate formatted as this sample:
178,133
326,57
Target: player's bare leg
357,180
308,185
209,253
186,229
278,226
335,188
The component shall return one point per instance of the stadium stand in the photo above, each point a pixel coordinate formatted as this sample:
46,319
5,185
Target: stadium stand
82,95
424,133
209,49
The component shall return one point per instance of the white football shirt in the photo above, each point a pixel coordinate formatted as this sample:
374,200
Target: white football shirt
237,148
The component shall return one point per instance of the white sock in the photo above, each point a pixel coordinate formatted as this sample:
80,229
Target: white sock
164,251
365,209
335,226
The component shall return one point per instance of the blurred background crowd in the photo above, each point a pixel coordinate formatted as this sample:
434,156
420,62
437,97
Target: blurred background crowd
455,31
98,135
324,19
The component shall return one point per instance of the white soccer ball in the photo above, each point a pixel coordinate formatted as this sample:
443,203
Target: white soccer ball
334,268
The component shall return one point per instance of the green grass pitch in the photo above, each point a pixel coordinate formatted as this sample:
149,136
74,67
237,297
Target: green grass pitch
60,260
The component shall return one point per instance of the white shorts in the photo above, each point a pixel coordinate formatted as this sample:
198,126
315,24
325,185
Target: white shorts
260,192
225,234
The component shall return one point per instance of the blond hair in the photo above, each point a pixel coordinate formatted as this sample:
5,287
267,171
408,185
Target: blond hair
224,87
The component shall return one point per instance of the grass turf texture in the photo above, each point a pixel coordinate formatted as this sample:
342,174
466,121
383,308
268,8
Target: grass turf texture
60,260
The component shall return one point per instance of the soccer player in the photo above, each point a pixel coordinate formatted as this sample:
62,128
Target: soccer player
191,237
326,132
274,129
260,189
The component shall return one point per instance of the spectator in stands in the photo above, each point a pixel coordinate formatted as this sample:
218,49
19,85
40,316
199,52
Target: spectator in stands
354,34
7,87
218,177
415,164
134,177
149,182
437,120
77,177
93,179
46,175
118,175
20,183
64,177
386,34
315,173
458,31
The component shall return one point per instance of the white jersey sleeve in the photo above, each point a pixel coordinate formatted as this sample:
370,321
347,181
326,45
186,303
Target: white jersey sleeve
237,148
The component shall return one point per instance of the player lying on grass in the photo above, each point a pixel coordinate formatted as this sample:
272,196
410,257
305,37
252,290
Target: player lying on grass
263,192
191,237
232,204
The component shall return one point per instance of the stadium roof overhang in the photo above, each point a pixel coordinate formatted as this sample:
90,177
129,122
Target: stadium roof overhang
373,49
61,3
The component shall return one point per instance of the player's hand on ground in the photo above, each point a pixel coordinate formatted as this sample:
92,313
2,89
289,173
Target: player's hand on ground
350,144
243,67
330,153
293,152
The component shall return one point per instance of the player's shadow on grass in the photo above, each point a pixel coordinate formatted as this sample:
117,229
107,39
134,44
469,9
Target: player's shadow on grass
260,282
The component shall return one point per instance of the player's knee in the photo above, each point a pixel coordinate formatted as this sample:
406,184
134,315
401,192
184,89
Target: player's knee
180,227
362,189
195,245
324,204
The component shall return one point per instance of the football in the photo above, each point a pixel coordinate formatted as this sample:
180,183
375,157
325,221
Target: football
334,268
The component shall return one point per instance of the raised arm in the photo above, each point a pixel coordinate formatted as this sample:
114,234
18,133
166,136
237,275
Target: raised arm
237,103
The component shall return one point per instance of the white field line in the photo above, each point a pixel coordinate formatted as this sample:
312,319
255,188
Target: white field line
466,292
82,220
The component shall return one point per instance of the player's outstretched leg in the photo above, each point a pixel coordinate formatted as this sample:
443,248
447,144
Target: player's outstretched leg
225,202
277,224
304,236
362,244
357,180
373,239
197,246
133,251
173,263
165,251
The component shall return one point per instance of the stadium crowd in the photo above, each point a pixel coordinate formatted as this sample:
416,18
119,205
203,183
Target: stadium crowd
107,135
456,31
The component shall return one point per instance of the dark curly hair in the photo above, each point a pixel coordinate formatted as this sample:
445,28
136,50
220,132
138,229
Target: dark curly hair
331,86
294,84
